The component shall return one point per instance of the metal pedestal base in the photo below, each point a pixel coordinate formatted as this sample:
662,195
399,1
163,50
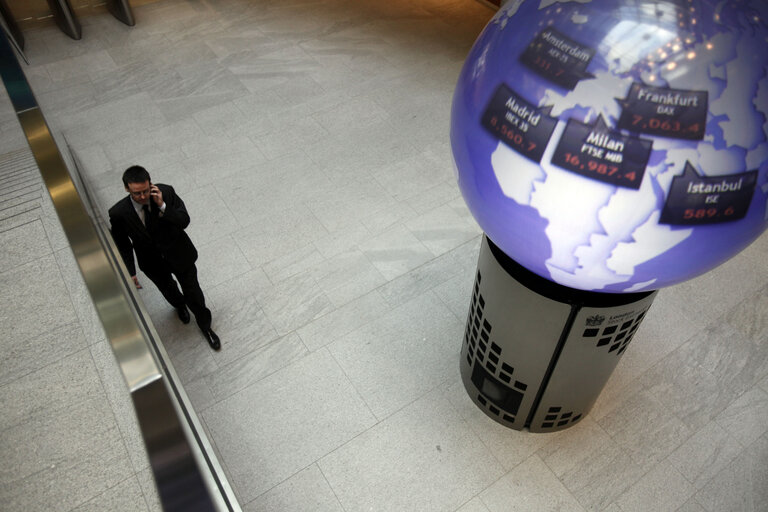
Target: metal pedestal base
536,355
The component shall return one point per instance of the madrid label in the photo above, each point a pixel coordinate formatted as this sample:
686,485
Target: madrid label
518,124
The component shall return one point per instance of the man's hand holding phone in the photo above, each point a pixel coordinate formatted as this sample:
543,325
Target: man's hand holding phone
156,195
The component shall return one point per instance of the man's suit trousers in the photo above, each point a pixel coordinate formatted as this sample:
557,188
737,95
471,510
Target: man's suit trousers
190,293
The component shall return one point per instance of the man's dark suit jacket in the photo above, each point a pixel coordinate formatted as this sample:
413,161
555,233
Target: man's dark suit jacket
167,241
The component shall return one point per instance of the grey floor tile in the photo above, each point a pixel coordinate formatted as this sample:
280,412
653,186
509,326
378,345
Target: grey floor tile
199,393
36,299
737,363
594,467
404,354
240,323
23,244
343,320
530,486
613,472
425,277
119,398
425,457
750,316
395,252
663,489
277,235
51,223
220,260
728,283
473,505
295,262
294,302
571,450
79,295
79,452
256,365
125,496
149,490
342,240
210,219
18,359
688,389
301,413
443,228
645,429
413,175
746,419
438,195
742,485
510,447
691,506
347,276
705,454
306,490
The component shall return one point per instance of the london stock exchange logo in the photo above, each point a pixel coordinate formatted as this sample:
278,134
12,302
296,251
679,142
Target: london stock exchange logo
595,320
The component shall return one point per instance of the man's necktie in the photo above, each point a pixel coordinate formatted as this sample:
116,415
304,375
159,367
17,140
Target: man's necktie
148,219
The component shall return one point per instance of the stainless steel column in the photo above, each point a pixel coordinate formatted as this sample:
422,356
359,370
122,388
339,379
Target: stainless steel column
121,10
13,29
536,354
65,18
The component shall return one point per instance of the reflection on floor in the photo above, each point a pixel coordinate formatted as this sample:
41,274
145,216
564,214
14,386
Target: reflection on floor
309,140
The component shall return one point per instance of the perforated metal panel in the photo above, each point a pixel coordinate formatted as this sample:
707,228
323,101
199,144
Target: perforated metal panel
508,342
529,360
593,348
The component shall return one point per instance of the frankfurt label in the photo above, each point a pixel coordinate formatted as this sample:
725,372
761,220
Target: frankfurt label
558,59
674,113
694,199
518,124
602,154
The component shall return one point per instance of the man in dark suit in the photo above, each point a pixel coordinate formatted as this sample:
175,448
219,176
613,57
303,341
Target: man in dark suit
150,221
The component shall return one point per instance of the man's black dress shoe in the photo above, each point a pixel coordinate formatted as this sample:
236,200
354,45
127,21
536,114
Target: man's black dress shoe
183,313
213,339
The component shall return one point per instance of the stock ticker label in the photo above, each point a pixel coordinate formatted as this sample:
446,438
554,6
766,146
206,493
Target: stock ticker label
674,113
694,199
518,124
597,152
558,58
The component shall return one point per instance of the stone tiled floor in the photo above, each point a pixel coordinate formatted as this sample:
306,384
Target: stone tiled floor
309,140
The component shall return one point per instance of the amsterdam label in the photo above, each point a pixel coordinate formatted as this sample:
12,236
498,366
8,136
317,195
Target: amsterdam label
674,113
518,124
558,58
602,154
694,199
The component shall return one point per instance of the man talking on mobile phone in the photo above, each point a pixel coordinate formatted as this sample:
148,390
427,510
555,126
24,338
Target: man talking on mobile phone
150,221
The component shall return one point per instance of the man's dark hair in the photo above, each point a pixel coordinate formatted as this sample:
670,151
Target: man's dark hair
135,174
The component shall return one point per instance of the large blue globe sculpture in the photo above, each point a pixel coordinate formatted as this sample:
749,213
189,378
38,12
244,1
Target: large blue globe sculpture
617,145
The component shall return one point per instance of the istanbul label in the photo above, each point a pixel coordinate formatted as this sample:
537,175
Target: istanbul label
602,154
694,199
674,113
558,58
518,124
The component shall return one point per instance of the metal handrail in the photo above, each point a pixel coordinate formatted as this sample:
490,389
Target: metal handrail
187,475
